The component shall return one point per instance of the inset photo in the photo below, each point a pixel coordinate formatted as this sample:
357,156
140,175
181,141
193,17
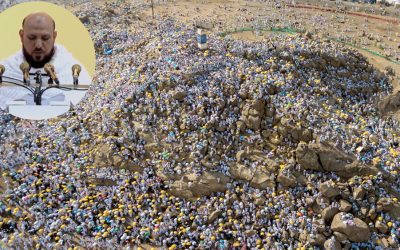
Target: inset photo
47,60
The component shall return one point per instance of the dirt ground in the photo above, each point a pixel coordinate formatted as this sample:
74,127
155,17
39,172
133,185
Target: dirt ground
378,35
370,29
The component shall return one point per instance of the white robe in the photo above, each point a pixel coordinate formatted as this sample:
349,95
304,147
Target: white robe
62,61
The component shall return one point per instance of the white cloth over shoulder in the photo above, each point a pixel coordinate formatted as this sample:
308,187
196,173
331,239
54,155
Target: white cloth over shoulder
62,61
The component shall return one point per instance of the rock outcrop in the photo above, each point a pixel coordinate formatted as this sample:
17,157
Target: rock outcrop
355,229
191,186
390,103
294,132
326,157
252,114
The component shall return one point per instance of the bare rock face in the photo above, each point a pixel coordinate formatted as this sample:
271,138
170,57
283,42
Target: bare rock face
262,176
329,189
241,172
191,186
307,157
252,114
355,229
103,155
340,237
258,178
326,157
294,132
287,180
390,103
152,147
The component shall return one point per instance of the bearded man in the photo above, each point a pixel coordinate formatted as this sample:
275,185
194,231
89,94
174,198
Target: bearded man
38,36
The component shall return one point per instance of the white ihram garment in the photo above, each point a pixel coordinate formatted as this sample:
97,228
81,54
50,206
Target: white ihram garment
62,61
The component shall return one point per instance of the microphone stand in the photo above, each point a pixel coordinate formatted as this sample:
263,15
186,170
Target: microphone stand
37,91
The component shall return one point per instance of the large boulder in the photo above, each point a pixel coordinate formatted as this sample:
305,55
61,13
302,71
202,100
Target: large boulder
326,157
355,229
287,180
258,178
329,189
390,103
252,114
191,186
307,157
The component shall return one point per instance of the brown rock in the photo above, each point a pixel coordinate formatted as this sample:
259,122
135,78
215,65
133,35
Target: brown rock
364,211
384,243
241,172
358,231
262,180
381,227
258,178
344,206
387,205
372,214
326,157
152,147
392,242
329,189
390,103
120,162
287,180
320,239
358,193
340,237
213,216
319,225
294,132
240,155
332,244
103,155
192,186
328,213
259,201
301,179
252,113
307,158
316,240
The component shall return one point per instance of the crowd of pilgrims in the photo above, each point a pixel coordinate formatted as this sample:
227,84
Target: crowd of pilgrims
54,194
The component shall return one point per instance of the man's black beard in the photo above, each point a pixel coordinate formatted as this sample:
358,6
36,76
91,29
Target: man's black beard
37,64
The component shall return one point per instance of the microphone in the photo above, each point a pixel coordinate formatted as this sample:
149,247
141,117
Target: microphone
2,69
76,70
49,68
25,67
